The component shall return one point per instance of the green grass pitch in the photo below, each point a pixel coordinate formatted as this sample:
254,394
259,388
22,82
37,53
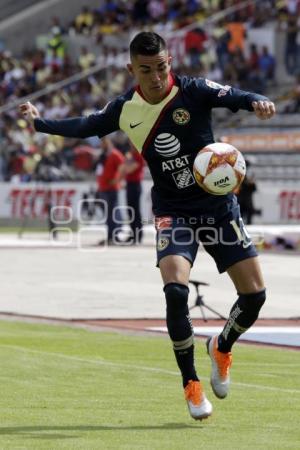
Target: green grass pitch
71,388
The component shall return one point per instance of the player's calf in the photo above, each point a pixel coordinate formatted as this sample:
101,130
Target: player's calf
242,316
180,329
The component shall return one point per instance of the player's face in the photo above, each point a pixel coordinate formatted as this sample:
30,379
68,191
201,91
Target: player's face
151,73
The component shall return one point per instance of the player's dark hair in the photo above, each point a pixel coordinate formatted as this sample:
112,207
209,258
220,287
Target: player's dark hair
147,43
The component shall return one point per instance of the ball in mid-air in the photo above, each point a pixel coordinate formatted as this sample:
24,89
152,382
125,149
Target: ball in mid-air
219,168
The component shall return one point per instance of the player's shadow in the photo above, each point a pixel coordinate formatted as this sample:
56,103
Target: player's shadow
49,432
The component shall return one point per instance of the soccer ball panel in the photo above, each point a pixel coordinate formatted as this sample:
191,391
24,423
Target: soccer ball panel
219,147
204,161
219,168
221,180
240,165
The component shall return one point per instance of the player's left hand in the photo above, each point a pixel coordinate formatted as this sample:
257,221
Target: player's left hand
264,109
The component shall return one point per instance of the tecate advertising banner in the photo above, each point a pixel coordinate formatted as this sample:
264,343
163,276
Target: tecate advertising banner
279,203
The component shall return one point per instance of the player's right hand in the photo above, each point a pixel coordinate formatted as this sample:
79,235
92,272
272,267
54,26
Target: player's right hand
29,111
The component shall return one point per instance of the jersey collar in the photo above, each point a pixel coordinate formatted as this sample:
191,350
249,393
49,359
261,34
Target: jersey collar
171,82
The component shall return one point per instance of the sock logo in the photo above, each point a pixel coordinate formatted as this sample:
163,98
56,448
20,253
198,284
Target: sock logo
231,321
190,322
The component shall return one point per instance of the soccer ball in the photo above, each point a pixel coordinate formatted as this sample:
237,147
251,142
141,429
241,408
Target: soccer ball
219,168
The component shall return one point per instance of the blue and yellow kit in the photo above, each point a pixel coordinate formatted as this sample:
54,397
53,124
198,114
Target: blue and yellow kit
168,134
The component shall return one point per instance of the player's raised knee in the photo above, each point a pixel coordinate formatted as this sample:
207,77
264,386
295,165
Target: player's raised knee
176,296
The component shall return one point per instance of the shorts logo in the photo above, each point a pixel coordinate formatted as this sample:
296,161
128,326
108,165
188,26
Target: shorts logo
241,232
181,116
167,145
183,178
162,243
163,222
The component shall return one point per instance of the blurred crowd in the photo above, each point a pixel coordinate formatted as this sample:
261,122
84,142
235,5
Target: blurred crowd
219,52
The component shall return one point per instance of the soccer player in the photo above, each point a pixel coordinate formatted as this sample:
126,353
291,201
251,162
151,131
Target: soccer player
134,169
108,175
168,119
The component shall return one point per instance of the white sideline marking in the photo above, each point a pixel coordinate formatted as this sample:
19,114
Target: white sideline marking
266,388
267,363
144,368
99,361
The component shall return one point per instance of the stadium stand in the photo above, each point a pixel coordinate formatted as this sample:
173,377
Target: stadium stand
11,7
78,64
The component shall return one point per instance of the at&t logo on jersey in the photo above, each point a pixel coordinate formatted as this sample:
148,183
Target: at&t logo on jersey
175,163
167,145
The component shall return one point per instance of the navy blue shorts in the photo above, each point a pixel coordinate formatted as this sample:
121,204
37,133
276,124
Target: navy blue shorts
222,234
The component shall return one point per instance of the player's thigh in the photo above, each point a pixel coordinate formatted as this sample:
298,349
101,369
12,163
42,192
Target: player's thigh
175,269
227,240
247,276
176,249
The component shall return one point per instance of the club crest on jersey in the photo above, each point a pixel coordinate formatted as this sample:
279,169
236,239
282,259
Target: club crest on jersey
167,145
162,243
181,116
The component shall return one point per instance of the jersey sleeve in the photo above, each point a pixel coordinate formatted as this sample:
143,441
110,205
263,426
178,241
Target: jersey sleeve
216,95
97,124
